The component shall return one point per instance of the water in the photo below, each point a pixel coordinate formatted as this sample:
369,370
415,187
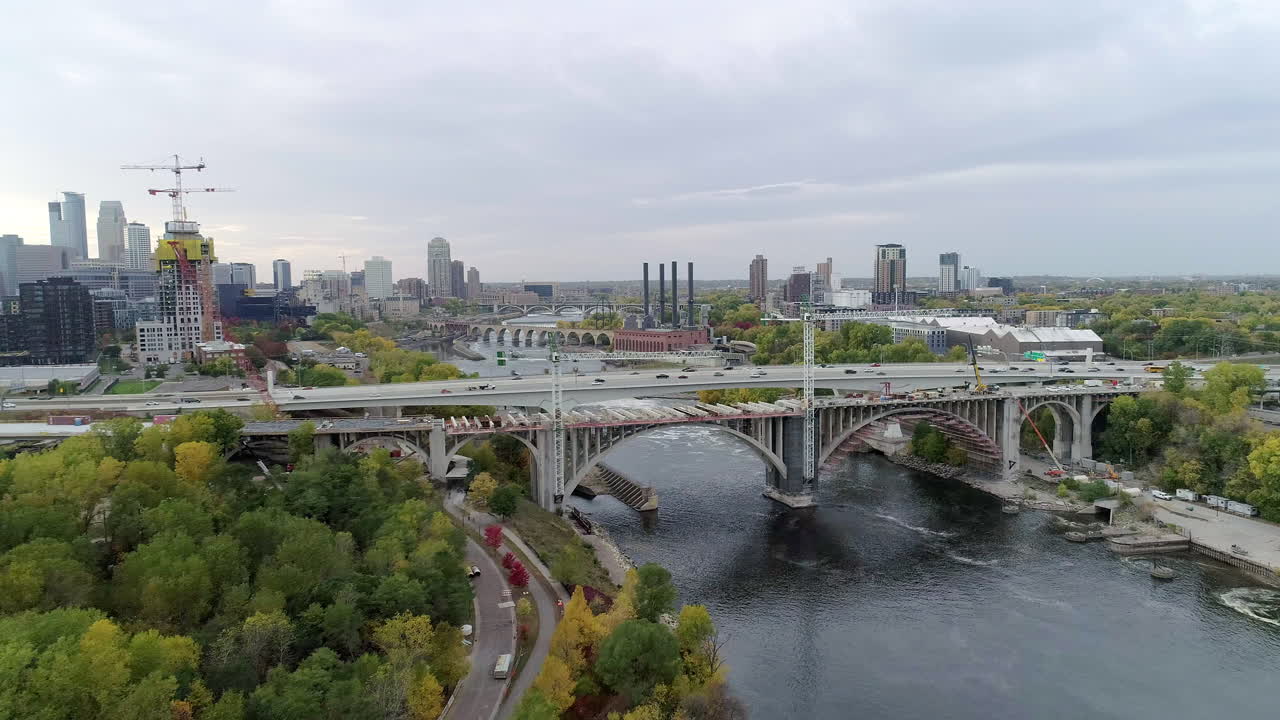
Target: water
906,596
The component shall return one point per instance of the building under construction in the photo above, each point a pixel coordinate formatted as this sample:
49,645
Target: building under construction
184,261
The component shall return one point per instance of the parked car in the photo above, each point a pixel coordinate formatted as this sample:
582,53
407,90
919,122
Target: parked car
473,571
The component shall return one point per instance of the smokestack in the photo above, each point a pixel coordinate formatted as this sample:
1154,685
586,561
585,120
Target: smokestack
675,296
662,292
646,290
688,321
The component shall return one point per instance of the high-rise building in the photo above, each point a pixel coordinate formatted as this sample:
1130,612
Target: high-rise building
111,229
336,284
9,245
473,283
948,272
282,272
457,279
412,287
1005,284
180,323
377,278
891,268
67,228
824,274
971,278
357,283
39,262
799,284
439,277
244,274
759,290
137,253
58,314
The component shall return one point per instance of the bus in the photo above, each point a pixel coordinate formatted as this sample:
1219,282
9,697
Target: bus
503,666
1154,369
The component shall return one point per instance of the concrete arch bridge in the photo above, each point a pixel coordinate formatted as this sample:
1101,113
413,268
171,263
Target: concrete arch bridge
524,335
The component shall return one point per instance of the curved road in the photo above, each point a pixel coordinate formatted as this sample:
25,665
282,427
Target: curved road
479,693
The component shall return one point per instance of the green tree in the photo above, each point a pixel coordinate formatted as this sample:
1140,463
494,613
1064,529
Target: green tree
1264,465
654,593
302,441
1229,387
572,565
505,500
535,706
636,657
1176,376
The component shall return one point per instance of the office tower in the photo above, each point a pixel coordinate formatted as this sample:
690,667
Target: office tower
58,314
111,228
67,227
336,284
948,272
9,245
412,287
357,283
799,284
457,279
282,272
439,277
221,273
824,274
971,278
890,268
180,324
39,262
137,253
759,290
473,283
377,278
245,274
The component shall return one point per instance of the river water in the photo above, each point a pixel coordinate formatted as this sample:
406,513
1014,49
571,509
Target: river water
907,596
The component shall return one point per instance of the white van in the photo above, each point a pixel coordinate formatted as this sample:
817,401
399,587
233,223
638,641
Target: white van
502,667
1160,494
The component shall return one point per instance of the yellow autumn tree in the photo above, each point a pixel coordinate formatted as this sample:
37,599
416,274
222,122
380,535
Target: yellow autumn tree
425,698
482,488
556,682
194,461
578,631
623,608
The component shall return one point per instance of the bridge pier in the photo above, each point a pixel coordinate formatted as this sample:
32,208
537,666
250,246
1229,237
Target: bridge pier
791,490
1010,438
437,452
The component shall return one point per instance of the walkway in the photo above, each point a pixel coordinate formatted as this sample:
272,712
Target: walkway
478,694
543,590
1220,530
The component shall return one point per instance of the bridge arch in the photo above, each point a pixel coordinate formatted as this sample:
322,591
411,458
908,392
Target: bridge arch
372,442
533,450
771,460
1067,424
983,439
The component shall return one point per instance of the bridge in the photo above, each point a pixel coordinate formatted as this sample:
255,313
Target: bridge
522,335
587,307
986,425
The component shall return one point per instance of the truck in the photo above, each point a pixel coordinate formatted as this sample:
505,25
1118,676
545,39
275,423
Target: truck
502,667
69,419
1216,501
1185,494
1239,508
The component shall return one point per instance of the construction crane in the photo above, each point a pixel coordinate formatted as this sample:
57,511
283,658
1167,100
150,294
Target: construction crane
177,191
981,387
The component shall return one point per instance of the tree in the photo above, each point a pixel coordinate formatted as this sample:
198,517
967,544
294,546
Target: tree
713,703
1264,466
509,561
195,462
482,488
1176,376
302,441
426,698
636,657
1229,386
654,594
572,564
535,706
556,683
576,634
957,456
524,609
694,628
519,577
493,537
118,436
505,500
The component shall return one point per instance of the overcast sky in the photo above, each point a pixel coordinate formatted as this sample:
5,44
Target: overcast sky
572,140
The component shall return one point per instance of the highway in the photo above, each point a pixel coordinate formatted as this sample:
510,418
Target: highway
535,390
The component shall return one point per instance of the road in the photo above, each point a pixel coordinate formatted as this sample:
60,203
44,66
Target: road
479,694
1220,530
619,384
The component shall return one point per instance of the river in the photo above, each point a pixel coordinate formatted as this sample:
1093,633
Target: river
906,596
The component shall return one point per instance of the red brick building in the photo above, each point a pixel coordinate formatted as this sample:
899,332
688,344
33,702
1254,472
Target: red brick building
660,340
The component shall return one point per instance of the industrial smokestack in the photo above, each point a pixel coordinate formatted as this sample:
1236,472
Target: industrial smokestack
675,296
646,290
688,321
662,292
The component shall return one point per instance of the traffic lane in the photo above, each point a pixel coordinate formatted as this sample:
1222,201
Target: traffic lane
479,693
548,618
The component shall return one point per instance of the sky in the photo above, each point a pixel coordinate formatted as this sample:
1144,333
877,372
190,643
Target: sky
574,140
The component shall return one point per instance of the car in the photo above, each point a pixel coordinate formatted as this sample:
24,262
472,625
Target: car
375,394
757,374
308,388
473,571
1014,367
881,372
1161,495
298,397
718,374
635,372
662,376
8,405
875,364
446,391
151,403
1095,369
1068,370
823,365
518,377
688,369
727,367
851,371
1111,363
959,370
762,372
597,381
1028,369
243,399
1120,369
682,377
189,400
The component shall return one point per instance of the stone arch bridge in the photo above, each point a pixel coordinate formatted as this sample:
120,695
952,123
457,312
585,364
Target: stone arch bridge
986,425
524,336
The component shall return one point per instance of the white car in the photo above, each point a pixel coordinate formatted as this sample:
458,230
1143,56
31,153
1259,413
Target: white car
151,403
8,405
757,374
1161,495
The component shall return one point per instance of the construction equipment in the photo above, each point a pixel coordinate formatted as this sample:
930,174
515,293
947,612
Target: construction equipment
1061,470
177,191
981,387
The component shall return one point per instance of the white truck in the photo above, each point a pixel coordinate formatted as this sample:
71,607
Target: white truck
1239,508
1185,494
1216,501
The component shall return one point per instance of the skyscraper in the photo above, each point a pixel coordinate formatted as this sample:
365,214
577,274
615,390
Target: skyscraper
67,227
759,290
9,264
181,324
971,278
439,279
137,253
377,278
245,274
824,273
111,225
282,272
891,268
473,283
457,279
58,314
948,272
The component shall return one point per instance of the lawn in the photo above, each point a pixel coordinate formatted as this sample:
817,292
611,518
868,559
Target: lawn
132,387
546,534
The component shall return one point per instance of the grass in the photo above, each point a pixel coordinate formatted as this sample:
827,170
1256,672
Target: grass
547,534
132,387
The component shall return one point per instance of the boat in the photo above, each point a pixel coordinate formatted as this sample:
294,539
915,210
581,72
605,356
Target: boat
1162,572
1078,537
1010,509
1237,550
